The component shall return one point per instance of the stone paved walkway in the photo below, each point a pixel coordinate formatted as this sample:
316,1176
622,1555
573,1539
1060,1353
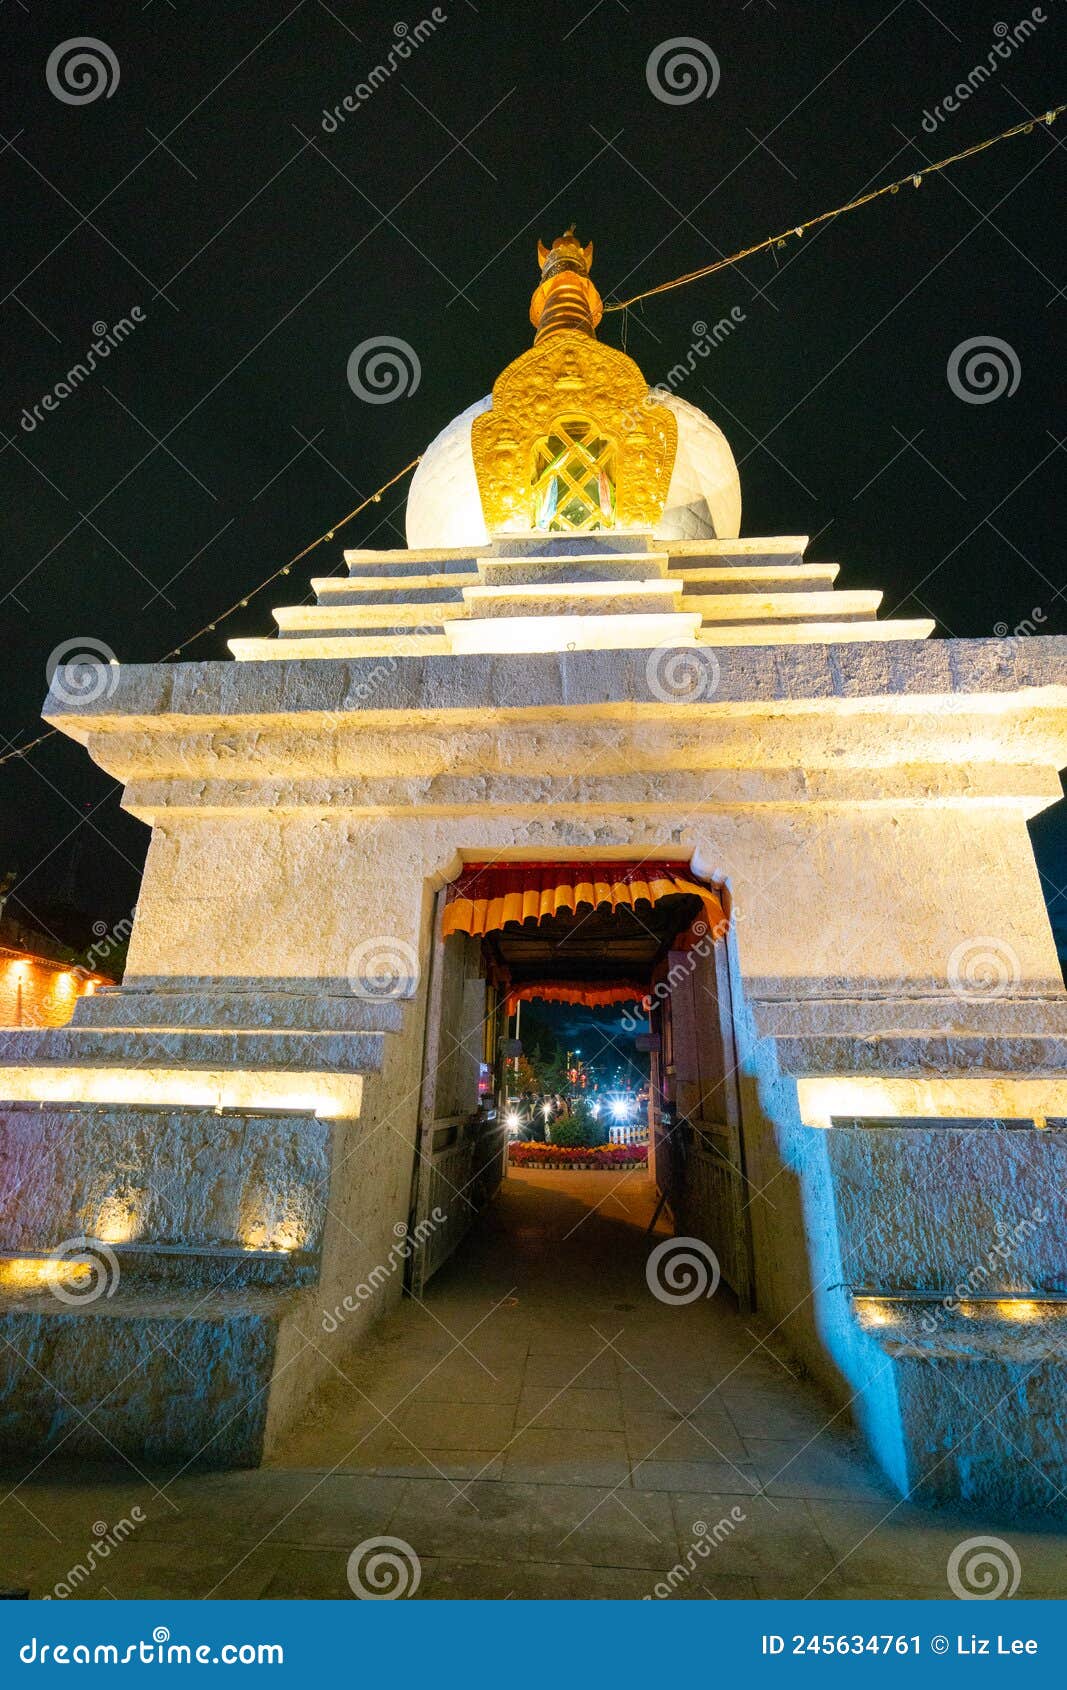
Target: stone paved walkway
540,1427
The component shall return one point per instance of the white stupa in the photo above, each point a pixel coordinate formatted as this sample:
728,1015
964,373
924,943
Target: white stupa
703,501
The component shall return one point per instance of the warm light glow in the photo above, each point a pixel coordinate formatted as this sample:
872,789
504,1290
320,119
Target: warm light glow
30,1272
117,1221
66,982
512,1121
1019,1308
546,1110
874,1313
327,1095
281,1241
970,1095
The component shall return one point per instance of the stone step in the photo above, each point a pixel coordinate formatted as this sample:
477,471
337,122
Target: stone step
259,650
757,578
189,1048
931,1016
392,616
354,589
924,1056
591,598
602,543
813,633
406,593
402,562
562,634
554,571
168,1186
978,1393
165,1376
571,633
251,1011
777,549
776,607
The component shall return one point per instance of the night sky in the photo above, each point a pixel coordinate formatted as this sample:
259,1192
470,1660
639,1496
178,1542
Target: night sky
260,249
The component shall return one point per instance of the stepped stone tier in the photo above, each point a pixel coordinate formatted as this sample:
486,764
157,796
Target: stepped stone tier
235,1127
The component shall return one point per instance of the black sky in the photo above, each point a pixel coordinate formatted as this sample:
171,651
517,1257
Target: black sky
223,435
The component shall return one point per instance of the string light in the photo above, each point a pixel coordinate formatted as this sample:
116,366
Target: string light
773,241
915,177
242,603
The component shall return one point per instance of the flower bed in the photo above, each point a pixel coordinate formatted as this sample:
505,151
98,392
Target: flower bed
534,1155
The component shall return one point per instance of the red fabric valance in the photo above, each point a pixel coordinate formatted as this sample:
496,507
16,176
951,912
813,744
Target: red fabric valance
487,895
571,991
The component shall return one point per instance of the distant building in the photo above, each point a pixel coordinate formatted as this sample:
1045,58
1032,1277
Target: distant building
38,990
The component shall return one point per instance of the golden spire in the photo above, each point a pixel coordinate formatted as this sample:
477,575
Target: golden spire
573,441
566,298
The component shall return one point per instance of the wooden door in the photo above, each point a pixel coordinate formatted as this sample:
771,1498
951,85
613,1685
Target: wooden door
700,1155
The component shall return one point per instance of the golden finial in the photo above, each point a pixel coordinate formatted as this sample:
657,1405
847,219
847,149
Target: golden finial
566,298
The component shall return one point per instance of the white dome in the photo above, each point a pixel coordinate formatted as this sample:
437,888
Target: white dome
703,500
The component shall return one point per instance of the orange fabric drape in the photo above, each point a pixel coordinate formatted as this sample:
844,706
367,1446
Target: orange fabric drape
567,991
486,895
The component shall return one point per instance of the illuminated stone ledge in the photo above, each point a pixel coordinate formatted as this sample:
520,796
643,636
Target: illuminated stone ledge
1037,1056
800,680
210,1007
804,1009
163,1178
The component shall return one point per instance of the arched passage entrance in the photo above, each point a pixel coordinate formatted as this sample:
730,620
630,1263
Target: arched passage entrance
646,934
